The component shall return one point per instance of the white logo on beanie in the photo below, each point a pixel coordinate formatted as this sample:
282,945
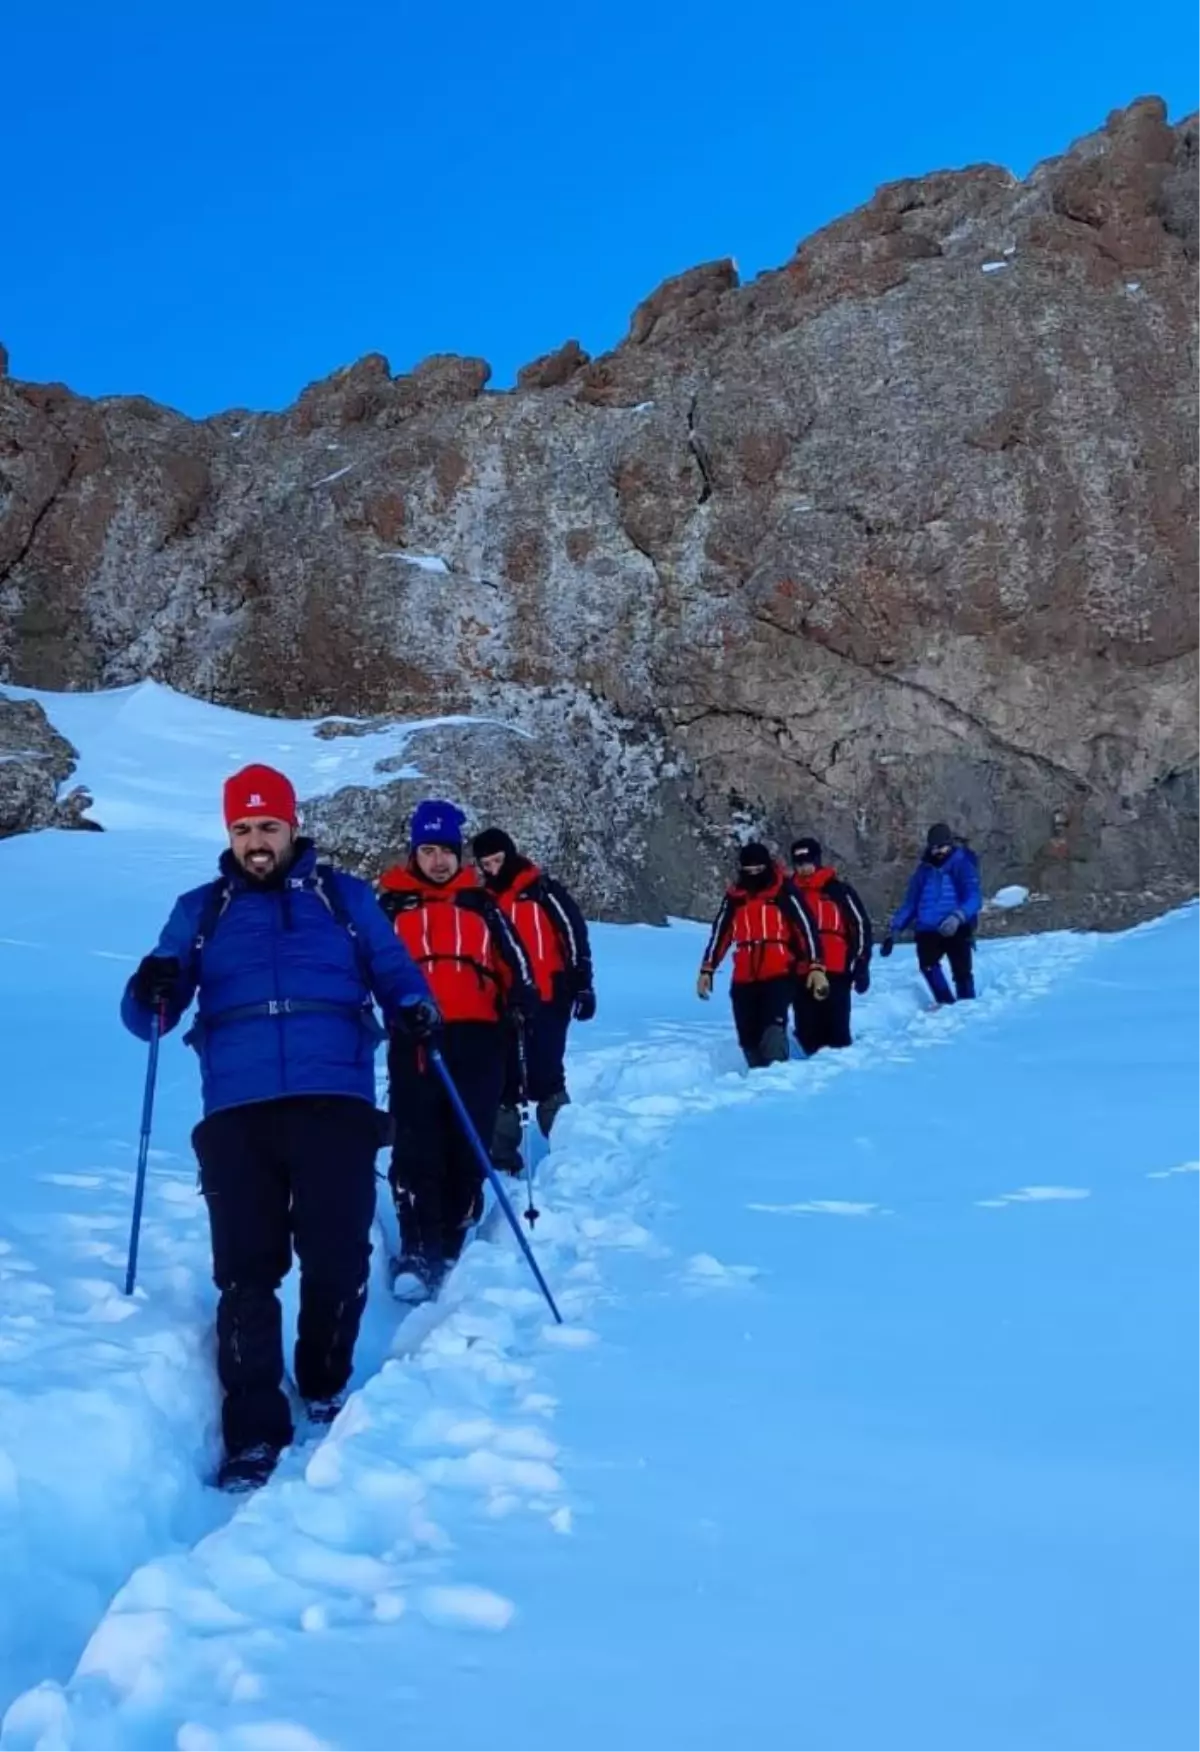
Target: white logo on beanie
254,801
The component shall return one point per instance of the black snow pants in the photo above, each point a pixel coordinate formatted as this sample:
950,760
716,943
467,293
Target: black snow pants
545,1077
931,946
435,1179
825,1021
760,1013
298,1172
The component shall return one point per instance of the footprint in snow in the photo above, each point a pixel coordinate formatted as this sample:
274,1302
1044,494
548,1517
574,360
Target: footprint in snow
703,1272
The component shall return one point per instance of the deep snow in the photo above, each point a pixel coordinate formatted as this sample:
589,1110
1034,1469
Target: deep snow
873,1422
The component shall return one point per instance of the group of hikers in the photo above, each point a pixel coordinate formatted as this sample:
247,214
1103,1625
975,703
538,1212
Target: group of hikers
481,969
802,941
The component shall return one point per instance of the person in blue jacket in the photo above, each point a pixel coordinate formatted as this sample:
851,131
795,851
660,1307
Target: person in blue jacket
941,907
284,956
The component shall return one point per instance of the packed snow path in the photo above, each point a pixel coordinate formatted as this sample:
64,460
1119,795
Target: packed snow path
872,1423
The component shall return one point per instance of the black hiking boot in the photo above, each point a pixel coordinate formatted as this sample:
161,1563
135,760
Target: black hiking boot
549,1110
506,1142
414,1278
249,1469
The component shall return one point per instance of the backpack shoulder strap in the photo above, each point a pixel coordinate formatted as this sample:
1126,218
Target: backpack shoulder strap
326,885
212,912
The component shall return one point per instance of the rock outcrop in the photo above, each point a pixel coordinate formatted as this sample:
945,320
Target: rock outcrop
34,762
903,530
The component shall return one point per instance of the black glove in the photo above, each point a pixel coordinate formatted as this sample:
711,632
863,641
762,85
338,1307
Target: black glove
420,1022
862,979
888,944
584,1007
156,980
523,1000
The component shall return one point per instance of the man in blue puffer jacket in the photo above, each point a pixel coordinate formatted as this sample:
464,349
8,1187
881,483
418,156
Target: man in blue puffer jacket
285,956
941,906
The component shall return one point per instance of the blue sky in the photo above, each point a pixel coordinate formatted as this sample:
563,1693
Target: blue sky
214,206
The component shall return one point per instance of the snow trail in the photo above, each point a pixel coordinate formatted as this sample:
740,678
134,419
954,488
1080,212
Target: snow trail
357,1530
875,1388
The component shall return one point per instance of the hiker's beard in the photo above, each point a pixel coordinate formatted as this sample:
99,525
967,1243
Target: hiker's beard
264,864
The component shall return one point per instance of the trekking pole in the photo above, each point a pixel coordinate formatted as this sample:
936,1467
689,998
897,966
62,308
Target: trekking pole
531,1212
139,1191
481,1156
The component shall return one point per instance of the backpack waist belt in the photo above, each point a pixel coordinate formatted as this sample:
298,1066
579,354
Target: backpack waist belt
363,1014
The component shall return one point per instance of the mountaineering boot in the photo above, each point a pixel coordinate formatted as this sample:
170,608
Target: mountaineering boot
415,1278
549,1109
506,1142
773,1047
249,1469
406,1278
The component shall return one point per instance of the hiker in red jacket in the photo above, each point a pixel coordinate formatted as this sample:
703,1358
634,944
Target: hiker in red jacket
481,980
842,927
552,931
763,923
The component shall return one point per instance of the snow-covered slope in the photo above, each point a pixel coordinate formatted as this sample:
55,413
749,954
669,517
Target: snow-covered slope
153,758
872,1423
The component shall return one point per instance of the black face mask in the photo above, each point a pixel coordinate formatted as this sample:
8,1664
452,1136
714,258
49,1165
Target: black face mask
938,854
506,875
753,880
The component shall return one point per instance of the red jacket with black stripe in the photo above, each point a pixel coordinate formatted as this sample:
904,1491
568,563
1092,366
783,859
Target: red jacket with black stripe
768,931
839,920
551,930
461,941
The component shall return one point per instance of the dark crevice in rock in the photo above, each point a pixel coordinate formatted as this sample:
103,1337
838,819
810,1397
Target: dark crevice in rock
698,449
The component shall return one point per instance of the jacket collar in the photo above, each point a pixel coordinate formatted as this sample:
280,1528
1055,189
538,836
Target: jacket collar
406,879
819,879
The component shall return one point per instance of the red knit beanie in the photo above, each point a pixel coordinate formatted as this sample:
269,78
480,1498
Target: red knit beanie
259,791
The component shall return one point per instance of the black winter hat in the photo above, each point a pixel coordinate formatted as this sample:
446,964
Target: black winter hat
938,835
754,853
492,840
806,851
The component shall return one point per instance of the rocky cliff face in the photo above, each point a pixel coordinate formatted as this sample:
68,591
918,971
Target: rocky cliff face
903,530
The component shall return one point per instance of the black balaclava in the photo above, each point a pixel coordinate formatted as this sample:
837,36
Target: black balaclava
755,853
485,844
939,836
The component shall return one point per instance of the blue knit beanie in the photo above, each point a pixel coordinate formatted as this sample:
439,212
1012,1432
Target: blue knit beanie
437,823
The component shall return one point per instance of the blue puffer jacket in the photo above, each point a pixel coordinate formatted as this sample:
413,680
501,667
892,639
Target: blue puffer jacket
274,944
937,890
